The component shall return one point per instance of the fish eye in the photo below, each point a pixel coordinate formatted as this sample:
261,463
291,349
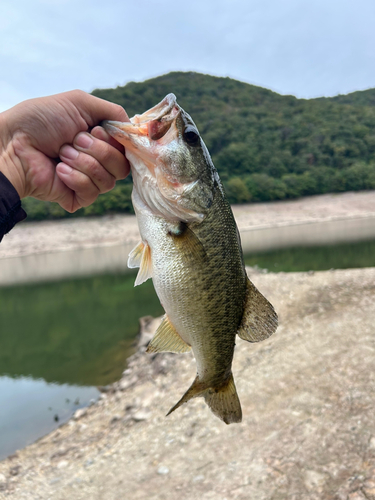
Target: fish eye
191,135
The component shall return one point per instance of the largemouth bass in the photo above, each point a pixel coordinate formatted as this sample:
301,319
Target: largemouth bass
192,251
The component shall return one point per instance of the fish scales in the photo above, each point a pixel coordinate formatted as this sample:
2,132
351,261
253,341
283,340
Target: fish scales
190,284
191,249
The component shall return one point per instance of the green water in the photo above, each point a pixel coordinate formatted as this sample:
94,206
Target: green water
319,258
76,332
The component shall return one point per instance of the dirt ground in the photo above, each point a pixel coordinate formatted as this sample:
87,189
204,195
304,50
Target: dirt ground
308,400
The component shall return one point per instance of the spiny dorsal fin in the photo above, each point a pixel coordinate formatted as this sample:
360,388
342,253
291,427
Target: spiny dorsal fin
259,319
140,257
166,339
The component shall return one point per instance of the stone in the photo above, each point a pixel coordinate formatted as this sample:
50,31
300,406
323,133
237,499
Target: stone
357,495
81,412
62,464
163,470
369,489
314,480
140,415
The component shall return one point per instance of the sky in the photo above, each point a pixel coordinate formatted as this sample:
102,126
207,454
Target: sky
304,48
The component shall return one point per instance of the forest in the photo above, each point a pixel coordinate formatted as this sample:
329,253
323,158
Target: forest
265,146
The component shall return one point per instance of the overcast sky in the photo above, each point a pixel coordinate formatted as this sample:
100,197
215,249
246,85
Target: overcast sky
307,48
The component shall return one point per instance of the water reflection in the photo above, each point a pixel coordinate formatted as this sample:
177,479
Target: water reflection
31,408
77,332
57,342
319,258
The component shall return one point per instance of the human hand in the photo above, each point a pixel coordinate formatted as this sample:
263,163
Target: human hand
52,149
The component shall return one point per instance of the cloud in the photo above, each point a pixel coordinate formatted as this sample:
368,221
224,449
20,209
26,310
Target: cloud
294,47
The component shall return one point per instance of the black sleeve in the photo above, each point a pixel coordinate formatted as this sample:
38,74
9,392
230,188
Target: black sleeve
11,211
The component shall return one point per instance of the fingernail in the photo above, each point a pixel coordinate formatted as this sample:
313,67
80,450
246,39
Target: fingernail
64,169
69,152
83,140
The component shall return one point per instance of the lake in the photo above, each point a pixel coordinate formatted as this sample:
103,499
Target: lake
58,342
61,340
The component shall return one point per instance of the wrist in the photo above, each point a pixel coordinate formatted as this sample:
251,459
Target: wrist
8,160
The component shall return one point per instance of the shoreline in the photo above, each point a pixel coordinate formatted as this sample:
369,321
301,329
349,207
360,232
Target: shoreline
307,432
53,250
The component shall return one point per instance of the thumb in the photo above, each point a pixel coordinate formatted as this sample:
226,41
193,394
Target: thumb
94,110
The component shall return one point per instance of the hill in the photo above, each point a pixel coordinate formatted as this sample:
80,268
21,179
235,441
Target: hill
265,146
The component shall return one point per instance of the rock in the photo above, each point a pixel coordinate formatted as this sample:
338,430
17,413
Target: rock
314,480
369,489
198,479
148,326
162,470
372,443
81,412
62,464
14,471
2,478
140,415
126,382
357,495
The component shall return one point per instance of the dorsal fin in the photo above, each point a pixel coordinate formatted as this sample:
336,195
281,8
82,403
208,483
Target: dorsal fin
140,257
259,319
166,339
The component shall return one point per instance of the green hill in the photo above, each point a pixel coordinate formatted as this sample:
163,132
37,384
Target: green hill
265,146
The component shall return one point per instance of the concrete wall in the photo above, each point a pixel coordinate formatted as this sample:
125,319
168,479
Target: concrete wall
326,232
106,259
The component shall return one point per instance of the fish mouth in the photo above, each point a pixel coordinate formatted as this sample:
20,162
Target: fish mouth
150,126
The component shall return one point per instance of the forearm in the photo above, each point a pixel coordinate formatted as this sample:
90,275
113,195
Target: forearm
8,159
11,211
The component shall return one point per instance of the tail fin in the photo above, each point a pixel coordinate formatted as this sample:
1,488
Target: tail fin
223,402
196,389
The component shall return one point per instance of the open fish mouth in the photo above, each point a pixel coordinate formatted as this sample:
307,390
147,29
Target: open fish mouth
152,125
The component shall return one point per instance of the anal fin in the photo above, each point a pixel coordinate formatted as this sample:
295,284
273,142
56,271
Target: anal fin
167,339
140,257
259,319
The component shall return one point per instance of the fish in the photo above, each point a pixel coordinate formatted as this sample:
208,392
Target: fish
190,247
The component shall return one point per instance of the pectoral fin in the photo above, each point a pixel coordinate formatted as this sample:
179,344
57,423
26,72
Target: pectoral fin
166,339
187,242
259,320
140,257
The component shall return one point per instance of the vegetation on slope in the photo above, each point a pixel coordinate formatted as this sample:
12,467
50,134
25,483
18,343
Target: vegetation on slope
265,146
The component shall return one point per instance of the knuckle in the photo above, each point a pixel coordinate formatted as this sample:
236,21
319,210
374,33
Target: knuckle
88,200
106,153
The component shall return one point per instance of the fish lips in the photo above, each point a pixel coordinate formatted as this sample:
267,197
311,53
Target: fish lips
153,124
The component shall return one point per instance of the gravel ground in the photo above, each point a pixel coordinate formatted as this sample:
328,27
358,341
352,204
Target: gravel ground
52,236
308,430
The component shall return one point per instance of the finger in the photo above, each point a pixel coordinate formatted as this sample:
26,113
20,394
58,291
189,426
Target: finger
109,157
102,135
88,166
94,110
85,190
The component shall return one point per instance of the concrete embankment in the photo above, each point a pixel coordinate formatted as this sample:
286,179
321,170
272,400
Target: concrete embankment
79,247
